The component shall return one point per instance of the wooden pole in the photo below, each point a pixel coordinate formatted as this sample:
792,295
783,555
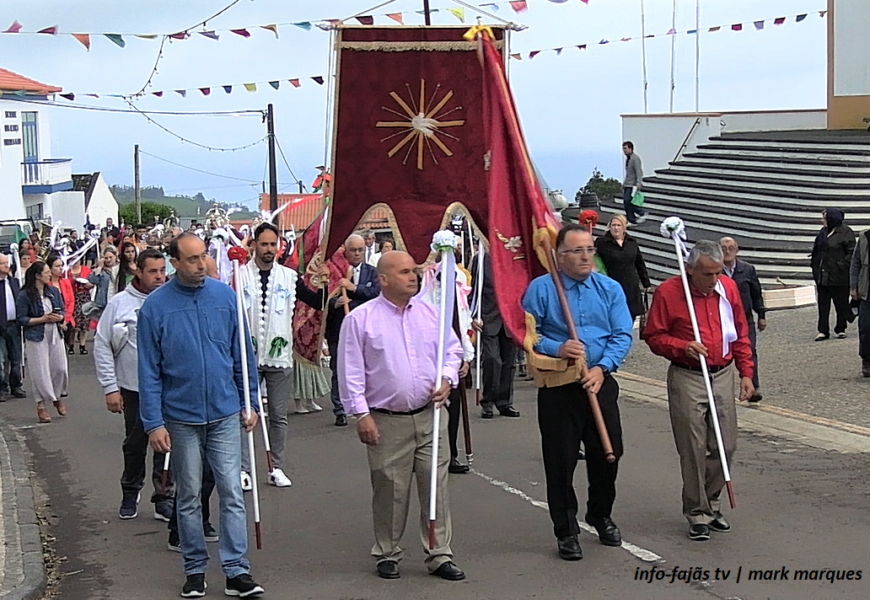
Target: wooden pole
426,12
137,195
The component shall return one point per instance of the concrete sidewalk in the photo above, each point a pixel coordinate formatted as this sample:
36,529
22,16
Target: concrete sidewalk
22,571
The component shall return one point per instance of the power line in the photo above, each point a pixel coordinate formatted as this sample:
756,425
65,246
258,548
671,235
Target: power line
191,142
247,181
215,113
281,150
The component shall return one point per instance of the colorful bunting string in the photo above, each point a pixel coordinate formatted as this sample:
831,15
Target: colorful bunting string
757,25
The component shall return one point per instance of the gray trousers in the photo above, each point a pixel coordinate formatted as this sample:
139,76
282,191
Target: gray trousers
694,436
403,453
279,390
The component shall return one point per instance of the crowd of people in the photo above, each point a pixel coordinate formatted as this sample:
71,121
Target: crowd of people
171,348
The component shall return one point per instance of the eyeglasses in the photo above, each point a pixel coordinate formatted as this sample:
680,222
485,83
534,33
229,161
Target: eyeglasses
579,251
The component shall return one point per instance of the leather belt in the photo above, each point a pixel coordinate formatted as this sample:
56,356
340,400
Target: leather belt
698,368
384,411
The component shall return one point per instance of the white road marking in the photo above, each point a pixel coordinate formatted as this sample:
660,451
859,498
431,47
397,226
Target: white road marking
636,551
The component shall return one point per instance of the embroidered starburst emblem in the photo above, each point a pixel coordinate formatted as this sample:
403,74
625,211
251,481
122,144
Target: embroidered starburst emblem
511,244
421,124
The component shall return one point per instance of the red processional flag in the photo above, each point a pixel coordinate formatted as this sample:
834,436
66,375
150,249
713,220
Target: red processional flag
522,226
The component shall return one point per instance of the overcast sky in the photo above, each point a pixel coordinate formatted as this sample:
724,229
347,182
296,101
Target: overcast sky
569,104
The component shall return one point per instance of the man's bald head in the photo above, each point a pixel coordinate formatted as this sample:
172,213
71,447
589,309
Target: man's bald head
729,250
4,265
398,277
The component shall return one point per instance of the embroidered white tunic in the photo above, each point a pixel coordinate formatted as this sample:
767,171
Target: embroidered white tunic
270,317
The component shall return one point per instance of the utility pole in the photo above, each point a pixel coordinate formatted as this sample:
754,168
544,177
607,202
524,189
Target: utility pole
273,169
136,189
301,187
426,12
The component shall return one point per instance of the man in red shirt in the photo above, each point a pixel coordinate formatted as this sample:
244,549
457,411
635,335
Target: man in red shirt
725,342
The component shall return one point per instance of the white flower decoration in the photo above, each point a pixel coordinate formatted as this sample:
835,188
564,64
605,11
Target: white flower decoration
443,241
671,226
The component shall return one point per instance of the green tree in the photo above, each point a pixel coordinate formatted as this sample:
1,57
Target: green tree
606,188
127,212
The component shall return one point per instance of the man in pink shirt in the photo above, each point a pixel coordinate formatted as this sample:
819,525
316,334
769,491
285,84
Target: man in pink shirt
388,350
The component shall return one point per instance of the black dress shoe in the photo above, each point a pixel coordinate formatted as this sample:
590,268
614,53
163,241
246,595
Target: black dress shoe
719,523
388,569
509,411
19,393
607,530
569,548
486,414
699,532
457,467
341,421
449,571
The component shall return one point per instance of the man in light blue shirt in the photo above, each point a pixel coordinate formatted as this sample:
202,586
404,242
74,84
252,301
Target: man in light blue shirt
603,323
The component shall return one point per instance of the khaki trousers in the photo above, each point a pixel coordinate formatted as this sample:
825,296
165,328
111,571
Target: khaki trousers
405,450
695,437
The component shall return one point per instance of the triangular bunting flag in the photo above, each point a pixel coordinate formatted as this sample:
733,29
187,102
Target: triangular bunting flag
822,13
459,13
275,84
533,54
581,47
205,91
84,39
93,95
737,27
117,39
318,80
759,25
602,42
558,51
228,89
652,35
492,6
158,94
366,20
14,28
181,35
53,30
242,32
273,28
672,32
182,93
295,83
333,21
69,96
692,32
431,10
147,36
306,25
628,39
517,56
585,1
519,5
714,29
797,19
397,17
251,87
210,35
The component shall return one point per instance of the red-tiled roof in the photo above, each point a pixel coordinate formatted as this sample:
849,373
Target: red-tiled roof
300,214
13,82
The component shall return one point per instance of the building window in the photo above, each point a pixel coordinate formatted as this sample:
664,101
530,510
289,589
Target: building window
12,142
11,114
34,211
11,128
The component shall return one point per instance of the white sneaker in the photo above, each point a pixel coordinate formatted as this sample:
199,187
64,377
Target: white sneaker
641,219
312,406
247,484
278,479
301,409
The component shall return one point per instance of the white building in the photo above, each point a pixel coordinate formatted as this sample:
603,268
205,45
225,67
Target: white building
33,183
100,203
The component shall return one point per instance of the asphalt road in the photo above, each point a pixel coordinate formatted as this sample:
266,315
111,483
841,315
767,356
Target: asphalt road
799,508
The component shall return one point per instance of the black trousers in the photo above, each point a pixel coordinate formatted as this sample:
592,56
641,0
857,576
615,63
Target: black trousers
839,294
454,414
499,362
564,419
334,395
135,449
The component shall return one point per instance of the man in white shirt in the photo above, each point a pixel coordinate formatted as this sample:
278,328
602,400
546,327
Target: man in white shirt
10,335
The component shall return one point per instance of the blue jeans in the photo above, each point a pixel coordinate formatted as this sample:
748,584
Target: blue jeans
220,443
10,358
632,212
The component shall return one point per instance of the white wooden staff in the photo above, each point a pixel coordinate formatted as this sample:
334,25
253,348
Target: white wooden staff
164,474
265,428
443,242
478,295
673,228
243,351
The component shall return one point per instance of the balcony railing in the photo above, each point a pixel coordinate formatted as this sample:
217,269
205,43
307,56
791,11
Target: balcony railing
50,172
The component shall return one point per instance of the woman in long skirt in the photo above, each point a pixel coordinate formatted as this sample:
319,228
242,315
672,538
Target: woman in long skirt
40,313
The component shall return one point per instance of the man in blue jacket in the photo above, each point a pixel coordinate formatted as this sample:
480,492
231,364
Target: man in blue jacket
191,397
